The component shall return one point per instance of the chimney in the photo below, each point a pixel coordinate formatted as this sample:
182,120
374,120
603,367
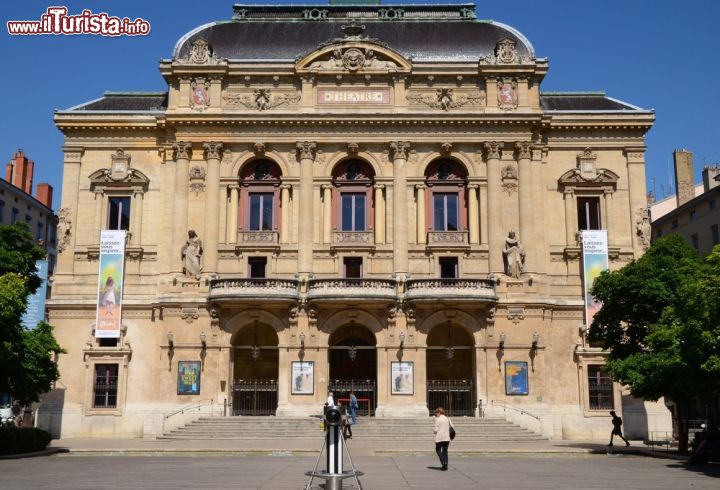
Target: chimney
9,172
710,176
45,194
20,171
27,183
684,176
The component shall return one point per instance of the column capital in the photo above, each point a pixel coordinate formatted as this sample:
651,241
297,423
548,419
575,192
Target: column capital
284,186
326,186
524,150
73,154
378,186
420,186
399,150
213,150
306,149
235,186
493,149
472,186
182,150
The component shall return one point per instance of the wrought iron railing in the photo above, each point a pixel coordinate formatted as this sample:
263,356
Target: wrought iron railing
455,396
255,396
508,406
192,407
364,389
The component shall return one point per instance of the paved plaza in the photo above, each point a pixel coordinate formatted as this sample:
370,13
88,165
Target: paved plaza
285,471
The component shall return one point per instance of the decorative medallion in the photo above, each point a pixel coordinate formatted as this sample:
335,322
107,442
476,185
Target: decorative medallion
507,95
199,94
509,179
505,51
120,165
201,53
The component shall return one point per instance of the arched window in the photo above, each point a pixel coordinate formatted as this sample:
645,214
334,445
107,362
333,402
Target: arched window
352,193
446,182
259,198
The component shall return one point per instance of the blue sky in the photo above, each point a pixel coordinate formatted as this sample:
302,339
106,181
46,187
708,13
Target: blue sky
659,54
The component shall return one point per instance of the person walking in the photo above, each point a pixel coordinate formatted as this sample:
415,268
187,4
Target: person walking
617,429
330,399
442,436
353,408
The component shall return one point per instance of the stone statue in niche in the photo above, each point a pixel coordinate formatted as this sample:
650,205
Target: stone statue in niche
643,229
514,256
192,255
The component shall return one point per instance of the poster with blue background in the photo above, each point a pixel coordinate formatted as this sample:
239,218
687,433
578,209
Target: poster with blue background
35,312
516,378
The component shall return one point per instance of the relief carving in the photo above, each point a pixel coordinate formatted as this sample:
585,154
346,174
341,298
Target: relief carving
445,99
261,100
353,60
642,228
199,94
507,94
64,229
201,53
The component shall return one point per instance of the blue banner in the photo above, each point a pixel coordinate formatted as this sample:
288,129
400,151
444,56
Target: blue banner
35,312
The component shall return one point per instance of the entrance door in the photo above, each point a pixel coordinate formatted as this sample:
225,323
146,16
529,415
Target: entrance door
255,371
450,370
353,367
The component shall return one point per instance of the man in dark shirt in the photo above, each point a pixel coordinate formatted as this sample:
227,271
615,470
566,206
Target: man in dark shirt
617,429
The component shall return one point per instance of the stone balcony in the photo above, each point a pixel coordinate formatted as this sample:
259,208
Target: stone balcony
351,290
448,239
353,239
481,290
265,290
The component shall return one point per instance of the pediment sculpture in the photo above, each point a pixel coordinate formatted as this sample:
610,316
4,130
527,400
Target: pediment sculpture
353,56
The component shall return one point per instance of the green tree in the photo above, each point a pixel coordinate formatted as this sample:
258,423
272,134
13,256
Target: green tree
659,320
27,365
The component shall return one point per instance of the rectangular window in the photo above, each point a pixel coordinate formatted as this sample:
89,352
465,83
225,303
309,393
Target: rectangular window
448,267
600,388
694,240
715,234
588,209
39,234
353,267
261,211
353,211
15,212
445,212
119,213
257,266
105,386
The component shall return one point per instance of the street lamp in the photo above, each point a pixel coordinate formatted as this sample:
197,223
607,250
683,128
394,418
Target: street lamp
402,339
502,341
171,340
536,340
203,340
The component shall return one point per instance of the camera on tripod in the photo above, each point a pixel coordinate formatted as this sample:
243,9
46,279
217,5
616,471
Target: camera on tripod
334,415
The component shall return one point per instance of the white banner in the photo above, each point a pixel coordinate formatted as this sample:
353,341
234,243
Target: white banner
595,261
110,284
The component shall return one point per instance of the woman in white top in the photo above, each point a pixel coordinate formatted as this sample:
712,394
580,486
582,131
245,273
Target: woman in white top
442,436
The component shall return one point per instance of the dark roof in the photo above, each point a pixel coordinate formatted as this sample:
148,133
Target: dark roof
126,101
420,32
582,101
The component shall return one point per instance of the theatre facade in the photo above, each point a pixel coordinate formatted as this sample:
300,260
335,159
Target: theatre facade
369,198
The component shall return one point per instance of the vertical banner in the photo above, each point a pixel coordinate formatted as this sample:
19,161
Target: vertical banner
110,284
595,260
35,312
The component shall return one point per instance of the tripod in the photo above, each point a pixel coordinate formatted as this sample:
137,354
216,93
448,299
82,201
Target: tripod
334,474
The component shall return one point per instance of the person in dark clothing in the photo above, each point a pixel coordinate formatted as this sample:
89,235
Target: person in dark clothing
617,428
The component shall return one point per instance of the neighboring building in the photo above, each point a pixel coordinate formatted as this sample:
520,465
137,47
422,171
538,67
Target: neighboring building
694,212
354,187
18,204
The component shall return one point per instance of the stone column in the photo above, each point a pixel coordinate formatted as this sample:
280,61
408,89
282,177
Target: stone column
473,218
231,231
285,213
525,195
182,154
399,151
570,217
98,225
137,217
483,200
495,234
379,213
607,213
306,153
327,212
68,224
213,154
637,191
421,227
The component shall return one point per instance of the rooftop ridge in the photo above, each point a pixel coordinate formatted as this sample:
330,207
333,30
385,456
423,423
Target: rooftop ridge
599,93
361,12
109,93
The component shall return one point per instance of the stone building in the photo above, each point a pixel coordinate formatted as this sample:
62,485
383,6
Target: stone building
386,202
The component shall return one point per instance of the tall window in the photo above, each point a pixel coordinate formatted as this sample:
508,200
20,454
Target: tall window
445,207
257,267
353,267
353,211
39,234
448,267
588,213
105,386
261,210
119,213
14,218
600,388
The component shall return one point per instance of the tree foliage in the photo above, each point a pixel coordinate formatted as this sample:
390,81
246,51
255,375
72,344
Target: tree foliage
659,319
27,365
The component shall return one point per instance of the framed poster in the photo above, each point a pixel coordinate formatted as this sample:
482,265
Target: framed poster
303,378
516,378
402,378
188,378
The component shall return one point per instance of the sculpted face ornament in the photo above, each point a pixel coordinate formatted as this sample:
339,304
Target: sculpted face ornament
262,98
445,98
353,59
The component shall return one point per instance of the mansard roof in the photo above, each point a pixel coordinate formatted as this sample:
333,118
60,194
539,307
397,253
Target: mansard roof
125,102
417,32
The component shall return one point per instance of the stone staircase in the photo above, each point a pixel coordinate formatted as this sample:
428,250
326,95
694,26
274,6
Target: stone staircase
367,428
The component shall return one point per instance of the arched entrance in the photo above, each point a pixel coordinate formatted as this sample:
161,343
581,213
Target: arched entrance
353,366
451,370
255,370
